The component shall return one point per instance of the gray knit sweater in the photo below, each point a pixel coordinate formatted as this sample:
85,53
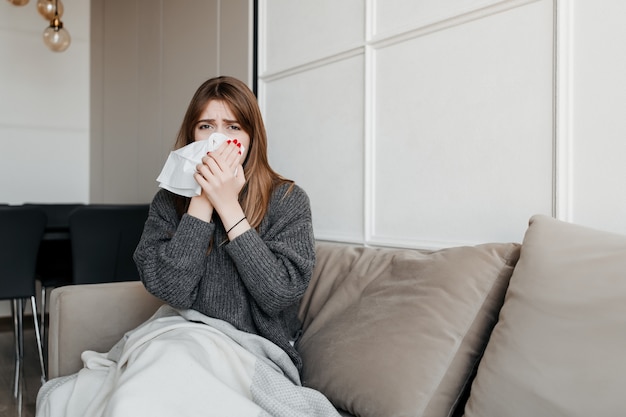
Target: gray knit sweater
255,282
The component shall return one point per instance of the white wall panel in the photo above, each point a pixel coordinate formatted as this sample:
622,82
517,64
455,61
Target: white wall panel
296,32
463,136
390,16
315,134
44,107
34,169
458,140
49,94
598,125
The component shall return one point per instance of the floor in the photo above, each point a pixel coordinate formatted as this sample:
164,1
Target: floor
9,406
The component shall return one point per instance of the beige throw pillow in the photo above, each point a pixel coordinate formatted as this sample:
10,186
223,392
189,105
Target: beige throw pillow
560,343
395,332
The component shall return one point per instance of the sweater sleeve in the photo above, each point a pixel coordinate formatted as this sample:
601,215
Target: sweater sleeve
276,263
171,254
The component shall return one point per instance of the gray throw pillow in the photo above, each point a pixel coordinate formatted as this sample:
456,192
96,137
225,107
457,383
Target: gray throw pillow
558,348
398,332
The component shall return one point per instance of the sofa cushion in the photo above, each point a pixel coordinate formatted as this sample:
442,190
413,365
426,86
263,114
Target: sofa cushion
558,347
398,332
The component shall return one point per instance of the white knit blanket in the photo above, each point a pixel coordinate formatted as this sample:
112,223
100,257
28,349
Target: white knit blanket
182,363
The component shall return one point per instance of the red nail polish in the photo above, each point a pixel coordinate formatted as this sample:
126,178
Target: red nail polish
228,141
239,152
239,145
234,140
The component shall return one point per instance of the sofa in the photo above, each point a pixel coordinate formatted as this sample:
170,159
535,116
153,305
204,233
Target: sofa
536,328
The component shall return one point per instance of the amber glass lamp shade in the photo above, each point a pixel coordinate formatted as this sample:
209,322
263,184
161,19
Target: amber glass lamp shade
18,2
56,37
47,8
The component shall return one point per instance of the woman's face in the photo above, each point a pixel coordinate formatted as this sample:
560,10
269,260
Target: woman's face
217,117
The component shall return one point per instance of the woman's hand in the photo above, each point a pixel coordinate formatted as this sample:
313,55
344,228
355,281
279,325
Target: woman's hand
221,177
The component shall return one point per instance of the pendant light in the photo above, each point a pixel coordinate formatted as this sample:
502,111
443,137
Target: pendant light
55,36
47,8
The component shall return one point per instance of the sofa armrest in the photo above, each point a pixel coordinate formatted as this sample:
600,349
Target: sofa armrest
93,317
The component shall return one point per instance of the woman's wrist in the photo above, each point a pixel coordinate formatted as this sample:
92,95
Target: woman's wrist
201,208
238,228
235,223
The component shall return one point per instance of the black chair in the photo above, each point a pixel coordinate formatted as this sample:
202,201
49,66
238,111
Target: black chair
21,229
104,238
54,260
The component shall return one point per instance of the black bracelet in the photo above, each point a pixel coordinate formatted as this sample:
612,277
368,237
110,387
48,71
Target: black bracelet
236,224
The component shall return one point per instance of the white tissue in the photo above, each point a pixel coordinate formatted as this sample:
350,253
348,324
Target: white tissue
180,166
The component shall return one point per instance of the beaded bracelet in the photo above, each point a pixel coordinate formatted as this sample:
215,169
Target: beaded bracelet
235,225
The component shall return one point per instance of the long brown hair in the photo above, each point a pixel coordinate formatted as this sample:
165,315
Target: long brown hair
261,179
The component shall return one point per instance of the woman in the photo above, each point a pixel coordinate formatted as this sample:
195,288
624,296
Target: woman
232,263
243,250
